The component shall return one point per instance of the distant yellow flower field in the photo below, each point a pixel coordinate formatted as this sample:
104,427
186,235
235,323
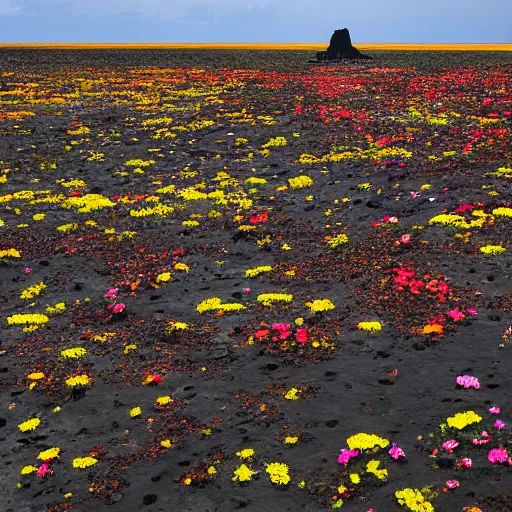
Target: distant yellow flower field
264,46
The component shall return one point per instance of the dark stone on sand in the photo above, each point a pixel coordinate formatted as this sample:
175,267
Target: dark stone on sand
340,47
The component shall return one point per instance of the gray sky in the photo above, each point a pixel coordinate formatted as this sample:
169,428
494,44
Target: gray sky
369,21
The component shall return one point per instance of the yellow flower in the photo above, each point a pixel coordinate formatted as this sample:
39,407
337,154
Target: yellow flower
181,266
73,353
364,441
354,478
499,212
78,380
492,249
369,326
164,400
414,500
166,443
278,473
129,348
84,462
35,376
243,474
291,440
372,467
27,318
51,453
320,305
300,182
299,321
32,291
215,304
12,253
246,453
31,424
253,272
136,411
268,298
463,419
26,470
337,241
164,277
211,471
292,394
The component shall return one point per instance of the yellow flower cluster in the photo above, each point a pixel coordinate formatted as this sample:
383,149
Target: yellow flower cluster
215,304
291,439
267,299
337,241
292,394
26,470
32,291
369,326
164,277
463,419
364,441
11,253
191,194
253,272
27,318
73,353
84,462
367,154
499,212
275,141
243,474
492,249
78,380
35,376
137,162
372,467
49,454
164,400
320,305
255,181
300,182
278,473
246,453
414,500
60,307
161,210
136,411
31,424
66,228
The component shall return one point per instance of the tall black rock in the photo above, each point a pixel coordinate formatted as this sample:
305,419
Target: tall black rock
340,47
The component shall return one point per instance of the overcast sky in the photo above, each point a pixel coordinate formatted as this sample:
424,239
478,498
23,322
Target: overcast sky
369,21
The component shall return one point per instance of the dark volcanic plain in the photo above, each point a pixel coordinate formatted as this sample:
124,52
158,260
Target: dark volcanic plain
165,174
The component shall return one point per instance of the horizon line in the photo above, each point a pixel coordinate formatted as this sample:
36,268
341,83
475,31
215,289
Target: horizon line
262,46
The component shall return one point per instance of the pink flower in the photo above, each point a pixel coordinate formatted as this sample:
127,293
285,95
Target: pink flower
452,484
486,439
118,308
497,455
456,314
450,445
467,381
472,311
284,334
391,220
43,470
494,410
111,293
346,455
414,195
396,452
467,463
406,239
498,424
281,327
301,335
27,270
247,291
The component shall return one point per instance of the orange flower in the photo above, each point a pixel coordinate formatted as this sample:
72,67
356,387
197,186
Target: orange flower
433,328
